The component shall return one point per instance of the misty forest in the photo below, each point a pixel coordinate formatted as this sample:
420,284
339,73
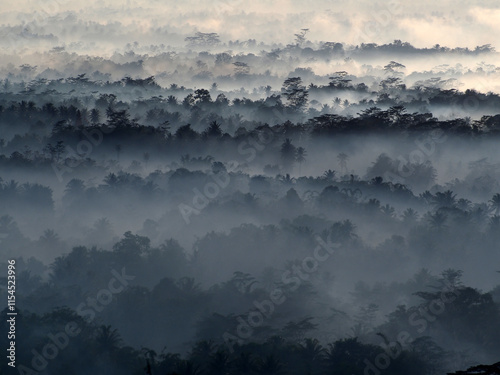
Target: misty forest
181,201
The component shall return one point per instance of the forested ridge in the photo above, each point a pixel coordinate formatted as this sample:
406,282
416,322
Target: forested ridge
240,213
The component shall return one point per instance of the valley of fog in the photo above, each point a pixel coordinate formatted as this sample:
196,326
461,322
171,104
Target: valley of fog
280,205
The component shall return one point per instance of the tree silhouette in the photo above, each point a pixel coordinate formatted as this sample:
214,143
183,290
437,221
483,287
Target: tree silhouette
213,131
50,243
295,93
300,38
288,152
444,199
300,156
203,39
270,365
410,216
56,151
311,354
108,339
202,96
95,116
437,220
329,175
241,68
339,81
493,369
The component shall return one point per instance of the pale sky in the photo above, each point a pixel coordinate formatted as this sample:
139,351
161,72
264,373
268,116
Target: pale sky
464,23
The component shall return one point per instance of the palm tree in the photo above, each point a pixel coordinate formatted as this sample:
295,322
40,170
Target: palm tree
286,180
49,238
8,227
446,199
75,187
464,204
388,210
112,181
10,190
213,131
495,223
171,100
108,339
410,215
373,205
329,175
312,354
427,196
437,220
102,230
479,213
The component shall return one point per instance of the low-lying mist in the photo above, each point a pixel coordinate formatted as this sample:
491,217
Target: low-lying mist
245,207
